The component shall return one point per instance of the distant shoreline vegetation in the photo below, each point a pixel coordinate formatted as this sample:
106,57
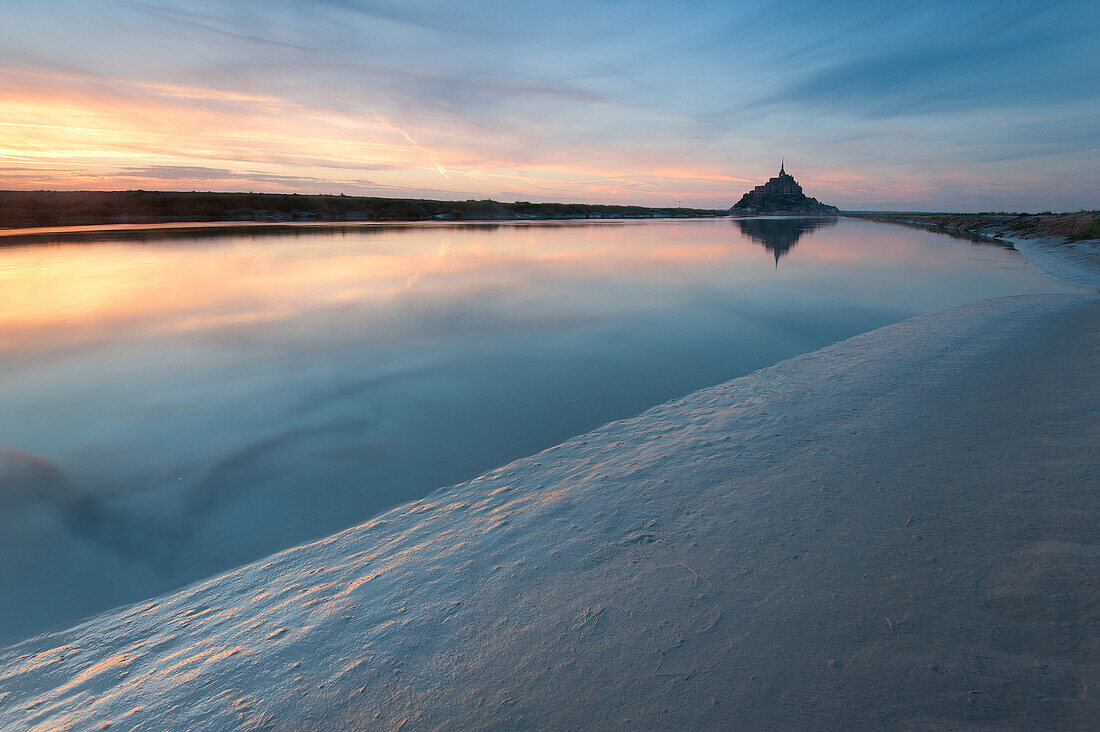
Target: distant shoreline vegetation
22,209
1071,226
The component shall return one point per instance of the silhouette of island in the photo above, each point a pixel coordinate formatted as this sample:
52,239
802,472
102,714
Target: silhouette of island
779,235
781,195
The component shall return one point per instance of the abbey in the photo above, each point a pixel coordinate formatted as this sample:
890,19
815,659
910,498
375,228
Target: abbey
781,195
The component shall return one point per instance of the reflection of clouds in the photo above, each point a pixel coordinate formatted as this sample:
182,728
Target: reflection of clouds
27,479
52,570
444,249
80,294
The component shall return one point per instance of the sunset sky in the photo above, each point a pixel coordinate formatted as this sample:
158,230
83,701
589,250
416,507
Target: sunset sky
874,105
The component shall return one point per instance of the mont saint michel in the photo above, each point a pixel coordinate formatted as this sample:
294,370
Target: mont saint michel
781,195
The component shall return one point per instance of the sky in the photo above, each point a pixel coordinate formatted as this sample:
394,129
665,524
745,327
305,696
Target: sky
873,104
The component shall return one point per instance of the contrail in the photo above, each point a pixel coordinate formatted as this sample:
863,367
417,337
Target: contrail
417,145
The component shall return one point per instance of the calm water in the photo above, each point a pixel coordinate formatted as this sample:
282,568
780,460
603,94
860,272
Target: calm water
172,407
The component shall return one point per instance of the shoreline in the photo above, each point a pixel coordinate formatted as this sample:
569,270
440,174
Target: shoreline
1077,262
26,209
881,532
1061,245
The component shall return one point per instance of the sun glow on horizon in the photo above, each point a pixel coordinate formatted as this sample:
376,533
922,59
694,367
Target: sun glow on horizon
155,136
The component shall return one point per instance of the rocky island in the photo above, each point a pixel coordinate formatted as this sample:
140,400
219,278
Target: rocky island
781,195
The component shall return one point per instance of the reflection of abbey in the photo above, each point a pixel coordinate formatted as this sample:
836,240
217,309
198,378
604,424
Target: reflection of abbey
781,195
779,235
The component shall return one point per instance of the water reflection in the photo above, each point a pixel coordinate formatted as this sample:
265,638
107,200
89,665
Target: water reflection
172,408
778,235
250,229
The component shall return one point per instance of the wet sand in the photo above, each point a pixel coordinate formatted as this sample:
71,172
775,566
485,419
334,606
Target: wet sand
898,530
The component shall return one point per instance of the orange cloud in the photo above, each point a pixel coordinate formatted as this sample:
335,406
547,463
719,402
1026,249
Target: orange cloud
68,131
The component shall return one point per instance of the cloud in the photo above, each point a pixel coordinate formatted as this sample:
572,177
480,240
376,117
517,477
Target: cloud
977,57
199,173
181,172
562,98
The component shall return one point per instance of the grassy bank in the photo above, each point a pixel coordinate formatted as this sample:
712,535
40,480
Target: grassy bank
1071,226
20,209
